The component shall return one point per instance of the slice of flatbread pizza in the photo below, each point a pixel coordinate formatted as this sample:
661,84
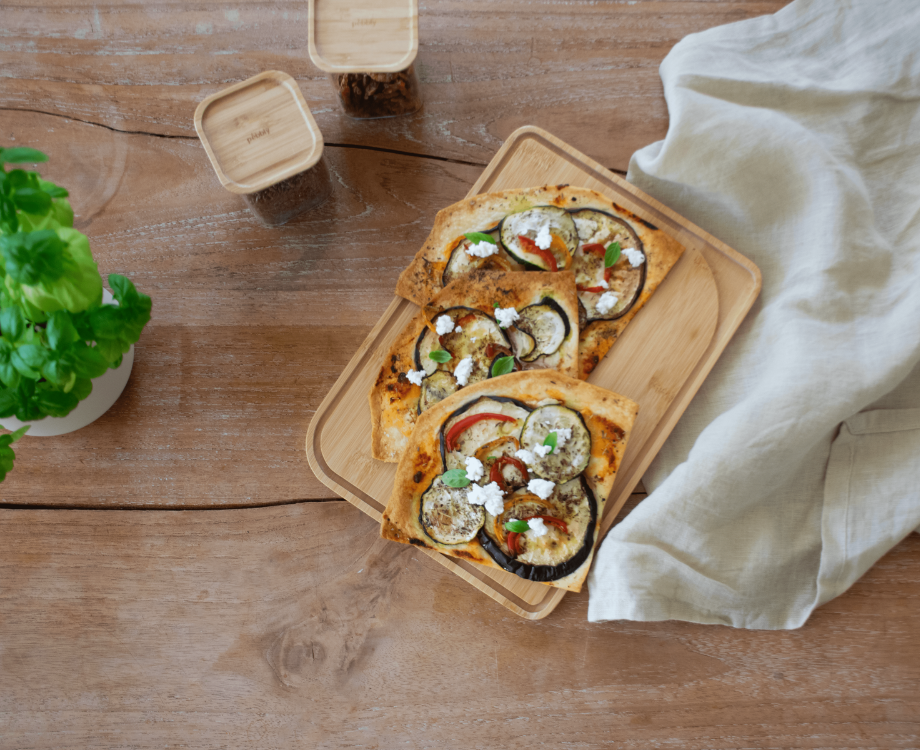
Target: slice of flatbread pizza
513,473
618,258
483,325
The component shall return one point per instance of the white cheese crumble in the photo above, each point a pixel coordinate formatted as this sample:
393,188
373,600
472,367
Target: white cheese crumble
635,257
607,302
491,496
537,526
444,325
473,469
525,455
603,283
482,249
506,316
586,227
415,376
562,435
463,371
542,450
542,488
543,238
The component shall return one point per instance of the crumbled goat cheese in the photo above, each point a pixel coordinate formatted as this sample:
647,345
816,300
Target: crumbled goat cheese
586,227
542,450
473,469
607,302
603,283
463,371
415,376
542,488
444,325
562,435
635,257
537,526
506,316
525,455
543,238
491,496
482,249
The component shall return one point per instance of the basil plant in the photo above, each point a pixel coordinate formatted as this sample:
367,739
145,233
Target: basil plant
55,333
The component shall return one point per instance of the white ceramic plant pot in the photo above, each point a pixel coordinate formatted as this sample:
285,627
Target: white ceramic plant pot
106,390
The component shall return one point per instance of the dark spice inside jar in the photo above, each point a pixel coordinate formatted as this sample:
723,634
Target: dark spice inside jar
281,202
368,95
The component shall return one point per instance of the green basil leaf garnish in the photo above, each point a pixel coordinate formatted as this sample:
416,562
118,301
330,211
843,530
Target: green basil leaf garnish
475,237
518,527
612,255
439,355
455,478
551,441
502,366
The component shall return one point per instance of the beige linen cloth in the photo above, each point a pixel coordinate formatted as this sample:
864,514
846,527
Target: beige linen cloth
794,138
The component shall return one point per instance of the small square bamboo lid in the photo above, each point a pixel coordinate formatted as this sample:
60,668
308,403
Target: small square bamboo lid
258,132
363,36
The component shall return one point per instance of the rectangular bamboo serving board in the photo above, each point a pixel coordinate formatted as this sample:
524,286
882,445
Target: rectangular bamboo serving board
660,361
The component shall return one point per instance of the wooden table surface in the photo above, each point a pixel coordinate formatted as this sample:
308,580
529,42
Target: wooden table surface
174,575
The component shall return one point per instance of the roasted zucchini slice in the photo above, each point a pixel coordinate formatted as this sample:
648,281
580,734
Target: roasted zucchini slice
547,324
572,453
557,553
624,280
436,387
447,516
530,224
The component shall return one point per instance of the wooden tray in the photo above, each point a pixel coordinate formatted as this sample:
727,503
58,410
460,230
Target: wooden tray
660,361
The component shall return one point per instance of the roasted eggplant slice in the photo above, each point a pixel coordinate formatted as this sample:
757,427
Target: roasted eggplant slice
462,436
573,448
447,516
426,344
623,280
547,324
522,342
461,262
533,224
478,332
436,387
566,544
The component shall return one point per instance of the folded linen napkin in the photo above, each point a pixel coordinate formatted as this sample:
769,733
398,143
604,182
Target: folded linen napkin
794,138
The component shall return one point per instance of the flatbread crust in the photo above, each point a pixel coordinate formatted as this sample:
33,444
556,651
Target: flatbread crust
394,400
608,416
422,279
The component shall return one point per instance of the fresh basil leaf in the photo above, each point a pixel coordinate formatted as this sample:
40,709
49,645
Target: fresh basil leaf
12,323
490,458
502,366
28,360
8,402
612,255
34,257
495,305
55,191
477,237
20,432
60,331
82,388
8,218
22,155
9,375
455,478
32,200
551,441
518,527
55,403
439,355
88,363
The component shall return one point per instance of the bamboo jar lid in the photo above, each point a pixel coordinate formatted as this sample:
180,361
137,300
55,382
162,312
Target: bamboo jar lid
258,132
368,36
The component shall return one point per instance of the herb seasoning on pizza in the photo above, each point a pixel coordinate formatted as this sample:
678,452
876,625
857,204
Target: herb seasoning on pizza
618,258
485,324
513,473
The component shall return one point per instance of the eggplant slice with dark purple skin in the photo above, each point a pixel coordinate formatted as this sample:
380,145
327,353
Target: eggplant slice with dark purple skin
571,456
557,553
526,222
547,324
461,262
485,431
626,282
447,516
522,342
436,387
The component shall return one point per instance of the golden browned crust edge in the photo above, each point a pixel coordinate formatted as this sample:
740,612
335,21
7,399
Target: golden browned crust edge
394,400
609,417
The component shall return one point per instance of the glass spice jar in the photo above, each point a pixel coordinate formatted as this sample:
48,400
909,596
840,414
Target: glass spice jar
368,96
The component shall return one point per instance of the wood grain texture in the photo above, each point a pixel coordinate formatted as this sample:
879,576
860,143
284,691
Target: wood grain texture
586,71
296,626
250,326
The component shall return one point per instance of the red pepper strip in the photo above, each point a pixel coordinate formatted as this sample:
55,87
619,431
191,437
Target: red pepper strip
512,540
592,289
532,247
493,349
597,247
454,432
495,473
557,522
465,319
